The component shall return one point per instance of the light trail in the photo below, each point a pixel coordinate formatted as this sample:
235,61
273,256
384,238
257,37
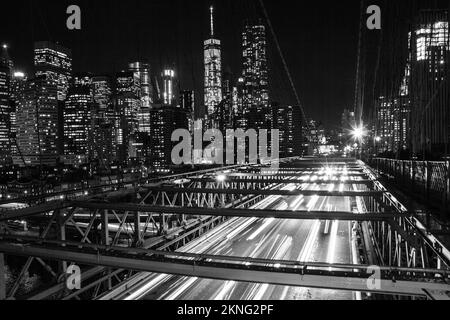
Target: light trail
264,238
332,244
261,229
189,282
229,285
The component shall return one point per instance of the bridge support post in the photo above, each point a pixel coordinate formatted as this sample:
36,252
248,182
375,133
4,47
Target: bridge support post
2,277
137,229
447,191
61,236
428,176
105,241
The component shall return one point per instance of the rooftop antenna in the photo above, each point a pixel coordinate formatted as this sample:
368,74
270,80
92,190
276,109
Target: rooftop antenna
211,9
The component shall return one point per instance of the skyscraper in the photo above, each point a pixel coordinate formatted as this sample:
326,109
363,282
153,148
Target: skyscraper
213,71
54,61
77,121
128,104
255,76
37,123
188,105
168,77
18,83
287,120
142,71
165,120
392,124
104,120
429,84
5,105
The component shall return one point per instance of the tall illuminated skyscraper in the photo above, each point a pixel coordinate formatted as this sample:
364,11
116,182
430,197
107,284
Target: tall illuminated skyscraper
213,71
37,123
128,101
430,93
18,83
54,61
142,71
287,119
104,118
187,98
255,76
165,119
168,76
77,121
5,106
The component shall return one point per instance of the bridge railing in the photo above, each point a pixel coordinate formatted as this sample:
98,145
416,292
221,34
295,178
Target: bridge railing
428,181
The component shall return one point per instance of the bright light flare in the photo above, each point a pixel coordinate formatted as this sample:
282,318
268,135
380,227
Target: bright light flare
359,133
221,178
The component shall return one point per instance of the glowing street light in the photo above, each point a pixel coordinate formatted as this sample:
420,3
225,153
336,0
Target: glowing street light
221,178
358,133
378,139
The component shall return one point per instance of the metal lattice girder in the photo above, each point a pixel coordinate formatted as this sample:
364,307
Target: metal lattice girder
299,170
293,193
289,273
296,173
31,211
280,180
245,213
34,210
2,277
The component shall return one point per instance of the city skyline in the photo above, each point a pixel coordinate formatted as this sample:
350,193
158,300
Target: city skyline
225,150
164,46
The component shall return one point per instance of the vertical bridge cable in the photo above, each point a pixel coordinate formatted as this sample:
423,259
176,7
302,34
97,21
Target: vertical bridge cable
286,68
358,105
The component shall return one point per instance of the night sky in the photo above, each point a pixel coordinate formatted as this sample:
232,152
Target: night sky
319,40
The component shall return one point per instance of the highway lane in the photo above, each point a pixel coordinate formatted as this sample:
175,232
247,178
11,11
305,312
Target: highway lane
302,240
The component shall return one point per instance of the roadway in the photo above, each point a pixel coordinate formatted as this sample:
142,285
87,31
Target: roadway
302,240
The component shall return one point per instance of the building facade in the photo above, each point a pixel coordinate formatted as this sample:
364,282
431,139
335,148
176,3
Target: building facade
213,71
78,109
54,61
430,61
255,77
5,105
164,121
37,123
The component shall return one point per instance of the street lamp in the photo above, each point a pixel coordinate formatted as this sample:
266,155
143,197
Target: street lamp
221,178
358,133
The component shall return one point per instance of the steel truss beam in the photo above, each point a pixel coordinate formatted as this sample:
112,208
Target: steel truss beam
289,174
280,180
407,242
245,213
288,273
288,193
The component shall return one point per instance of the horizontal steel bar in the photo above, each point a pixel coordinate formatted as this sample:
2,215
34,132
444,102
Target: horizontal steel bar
247,213
276,274
282,173
33,210
281,180
322,193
